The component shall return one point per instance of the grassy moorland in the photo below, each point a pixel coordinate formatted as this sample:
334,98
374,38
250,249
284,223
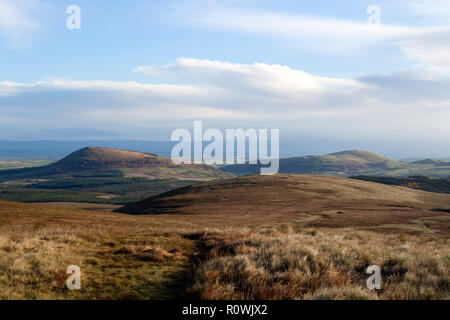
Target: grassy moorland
285,263
311,238
120,257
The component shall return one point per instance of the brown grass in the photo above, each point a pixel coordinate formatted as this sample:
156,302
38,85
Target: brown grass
120,257
315,200
325,264
294,242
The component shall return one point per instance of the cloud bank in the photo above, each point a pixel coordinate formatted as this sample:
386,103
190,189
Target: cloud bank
404,104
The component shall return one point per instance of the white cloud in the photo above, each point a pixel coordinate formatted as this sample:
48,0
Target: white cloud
425,44
290,25
408,104
437,10
259,79
431,51
17,21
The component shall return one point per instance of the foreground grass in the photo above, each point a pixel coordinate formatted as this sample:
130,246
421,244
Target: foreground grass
326,264
120,257
167,257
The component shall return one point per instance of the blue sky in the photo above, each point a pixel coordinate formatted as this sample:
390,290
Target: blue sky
118,35
139,69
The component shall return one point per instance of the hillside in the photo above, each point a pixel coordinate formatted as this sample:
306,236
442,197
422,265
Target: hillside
347,163
415,182
101,175
324,200
96,158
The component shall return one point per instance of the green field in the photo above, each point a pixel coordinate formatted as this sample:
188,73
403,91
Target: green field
103,186
19,164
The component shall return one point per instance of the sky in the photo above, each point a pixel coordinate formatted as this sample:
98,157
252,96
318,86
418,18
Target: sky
337,69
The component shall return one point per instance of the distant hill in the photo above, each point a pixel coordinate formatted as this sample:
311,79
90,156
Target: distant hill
347,163
331,200
432,162
340,163
96,158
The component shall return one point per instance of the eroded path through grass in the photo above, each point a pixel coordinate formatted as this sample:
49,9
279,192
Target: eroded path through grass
120,257
135,268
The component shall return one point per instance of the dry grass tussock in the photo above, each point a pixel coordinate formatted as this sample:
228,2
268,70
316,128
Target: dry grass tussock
325,264
120,257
